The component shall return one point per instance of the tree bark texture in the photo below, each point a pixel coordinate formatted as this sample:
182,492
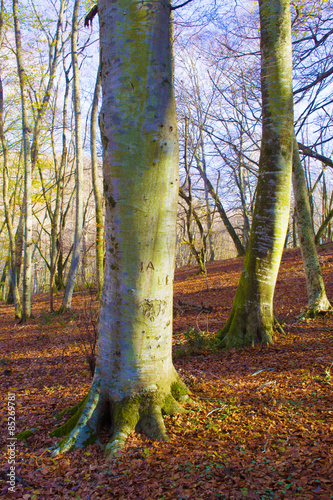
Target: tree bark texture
97,193
317,299
27,273
135,380
10,229
67,299
251,319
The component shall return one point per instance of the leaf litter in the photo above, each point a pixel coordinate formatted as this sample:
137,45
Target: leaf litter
262,423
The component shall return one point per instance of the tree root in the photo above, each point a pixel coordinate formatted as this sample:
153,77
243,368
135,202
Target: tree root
73,410
80,426
278,326
140,412
244,329
312,312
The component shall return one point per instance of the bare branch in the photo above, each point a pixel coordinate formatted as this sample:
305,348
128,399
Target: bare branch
319,79
90,16
312,154
181,5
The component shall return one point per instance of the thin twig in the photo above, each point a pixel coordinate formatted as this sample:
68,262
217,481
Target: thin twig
216,409
220,379
262,370
266,384
89,490
264,450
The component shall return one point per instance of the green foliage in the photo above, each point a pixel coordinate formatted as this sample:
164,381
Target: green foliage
196,342
46,318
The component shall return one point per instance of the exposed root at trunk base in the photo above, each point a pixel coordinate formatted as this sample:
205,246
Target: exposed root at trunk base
311,312
141,412
245,329
278,327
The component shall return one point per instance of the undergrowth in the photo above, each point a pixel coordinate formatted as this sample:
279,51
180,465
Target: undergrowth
196,342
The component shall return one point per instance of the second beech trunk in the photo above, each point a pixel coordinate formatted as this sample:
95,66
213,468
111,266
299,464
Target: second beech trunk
251,319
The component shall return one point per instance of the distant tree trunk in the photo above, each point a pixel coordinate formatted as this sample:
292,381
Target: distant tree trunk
5,280
209,215
56,270
11,234
199,254
294,229
325,224
251,319
10,266
27,274
135,379
67,299
239,178
317,299
97,193
219,207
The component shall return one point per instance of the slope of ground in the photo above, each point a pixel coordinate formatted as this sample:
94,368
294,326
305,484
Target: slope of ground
261,427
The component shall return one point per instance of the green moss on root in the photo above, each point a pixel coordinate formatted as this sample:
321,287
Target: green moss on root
68,426
179,391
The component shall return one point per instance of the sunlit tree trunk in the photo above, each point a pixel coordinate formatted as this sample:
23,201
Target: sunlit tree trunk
251,319
317,299
67,299
135,379
11,233
95,183
12,260
55,249
26,309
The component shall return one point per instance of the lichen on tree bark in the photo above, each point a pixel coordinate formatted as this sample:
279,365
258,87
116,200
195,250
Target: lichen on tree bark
135,381
318,302
251,320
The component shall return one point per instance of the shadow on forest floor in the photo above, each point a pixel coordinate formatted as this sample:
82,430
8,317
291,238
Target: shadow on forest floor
261,427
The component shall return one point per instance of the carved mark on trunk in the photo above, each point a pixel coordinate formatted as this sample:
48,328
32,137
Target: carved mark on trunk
152,308
149,266
163,281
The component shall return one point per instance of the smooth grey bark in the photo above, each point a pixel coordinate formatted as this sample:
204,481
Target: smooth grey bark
240,181
135,380
95,183
11,264
67,299
57,216
251,319
26,306
31,152
317,298
10,229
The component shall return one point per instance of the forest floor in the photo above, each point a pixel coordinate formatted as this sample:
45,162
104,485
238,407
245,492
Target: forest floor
261,427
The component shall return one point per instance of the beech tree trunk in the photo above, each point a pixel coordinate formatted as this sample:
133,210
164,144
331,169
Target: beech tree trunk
317,299
251,319
97,193
27,273
11,233
135,380
67,299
